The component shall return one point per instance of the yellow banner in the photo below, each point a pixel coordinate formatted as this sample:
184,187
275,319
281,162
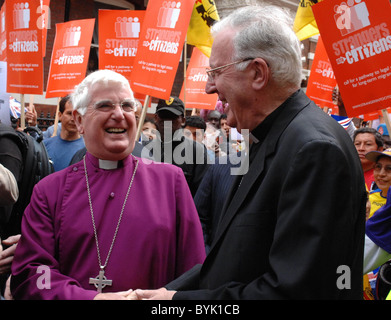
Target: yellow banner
305,25
202,18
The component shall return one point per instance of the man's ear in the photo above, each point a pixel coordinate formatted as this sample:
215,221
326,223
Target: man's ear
261,73
77,117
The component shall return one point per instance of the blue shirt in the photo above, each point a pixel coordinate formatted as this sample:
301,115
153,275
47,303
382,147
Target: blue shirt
61,151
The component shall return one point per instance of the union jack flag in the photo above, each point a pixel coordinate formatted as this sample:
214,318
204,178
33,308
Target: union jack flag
15,109
343,121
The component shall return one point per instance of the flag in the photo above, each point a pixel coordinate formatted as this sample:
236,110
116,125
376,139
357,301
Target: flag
305,25
202,18
15,110
343,121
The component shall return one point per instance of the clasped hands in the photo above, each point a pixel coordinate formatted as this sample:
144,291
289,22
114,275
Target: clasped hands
138,294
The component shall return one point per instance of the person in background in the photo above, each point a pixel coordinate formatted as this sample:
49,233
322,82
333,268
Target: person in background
213,118
61,148
366,140
171,146
149,129
382,178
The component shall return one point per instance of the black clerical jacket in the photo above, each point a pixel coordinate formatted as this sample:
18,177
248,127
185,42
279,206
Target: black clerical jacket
294,228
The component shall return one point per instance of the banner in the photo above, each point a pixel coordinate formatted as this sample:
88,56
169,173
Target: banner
321,81
204,15
196,79
162,37
70,55
358,43
305,25
24,47
119,32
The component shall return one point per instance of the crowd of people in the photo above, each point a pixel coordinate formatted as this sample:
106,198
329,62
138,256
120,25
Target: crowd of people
164,217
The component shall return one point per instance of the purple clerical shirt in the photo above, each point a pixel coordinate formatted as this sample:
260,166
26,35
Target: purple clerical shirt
159,236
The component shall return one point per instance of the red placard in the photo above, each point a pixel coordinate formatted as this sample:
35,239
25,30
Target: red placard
196,79
24,47
357,38
119,32
69,57
161,41
321,81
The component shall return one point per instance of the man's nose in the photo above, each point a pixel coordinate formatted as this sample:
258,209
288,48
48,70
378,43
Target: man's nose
210,87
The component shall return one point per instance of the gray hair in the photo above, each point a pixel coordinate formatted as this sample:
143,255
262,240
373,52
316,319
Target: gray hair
81,98
265,31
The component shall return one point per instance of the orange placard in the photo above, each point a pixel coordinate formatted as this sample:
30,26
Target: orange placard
24,47
196,79
161,41
69,57
119,32
357,38
321,81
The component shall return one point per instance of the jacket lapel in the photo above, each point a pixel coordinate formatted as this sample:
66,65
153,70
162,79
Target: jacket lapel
239,194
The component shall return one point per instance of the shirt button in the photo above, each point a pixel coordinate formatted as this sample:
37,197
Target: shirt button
112,195
75,169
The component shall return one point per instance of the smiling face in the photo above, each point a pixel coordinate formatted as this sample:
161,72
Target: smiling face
108,135
227,82
382,174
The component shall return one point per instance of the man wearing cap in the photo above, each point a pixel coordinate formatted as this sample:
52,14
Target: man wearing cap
172,146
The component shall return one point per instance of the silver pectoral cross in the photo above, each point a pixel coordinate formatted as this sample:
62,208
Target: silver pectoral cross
100,281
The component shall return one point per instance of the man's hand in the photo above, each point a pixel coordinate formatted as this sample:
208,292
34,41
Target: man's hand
159,294
31,116
7,255
121,295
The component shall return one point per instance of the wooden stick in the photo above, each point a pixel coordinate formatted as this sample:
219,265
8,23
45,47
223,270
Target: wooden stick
142,117
56,118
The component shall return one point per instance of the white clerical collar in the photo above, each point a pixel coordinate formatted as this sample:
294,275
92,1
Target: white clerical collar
108,164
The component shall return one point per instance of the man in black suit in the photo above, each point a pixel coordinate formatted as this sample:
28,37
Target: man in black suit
171,146
292,226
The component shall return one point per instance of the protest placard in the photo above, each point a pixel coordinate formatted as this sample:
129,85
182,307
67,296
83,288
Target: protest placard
70,54
321,81
357,39
193,90
162,37
119,32
24,47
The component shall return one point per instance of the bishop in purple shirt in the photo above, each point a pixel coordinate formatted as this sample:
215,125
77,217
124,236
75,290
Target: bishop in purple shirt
112,222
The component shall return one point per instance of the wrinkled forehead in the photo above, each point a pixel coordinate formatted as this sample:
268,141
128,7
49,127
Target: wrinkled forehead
222,48
109,91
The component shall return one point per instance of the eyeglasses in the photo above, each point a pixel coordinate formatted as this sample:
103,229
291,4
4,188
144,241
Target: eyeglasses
378,167
108,106
212,72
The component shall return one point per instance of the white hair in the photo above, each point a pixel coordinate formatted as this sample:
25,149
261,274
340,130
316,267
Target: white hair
81,98
265,31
